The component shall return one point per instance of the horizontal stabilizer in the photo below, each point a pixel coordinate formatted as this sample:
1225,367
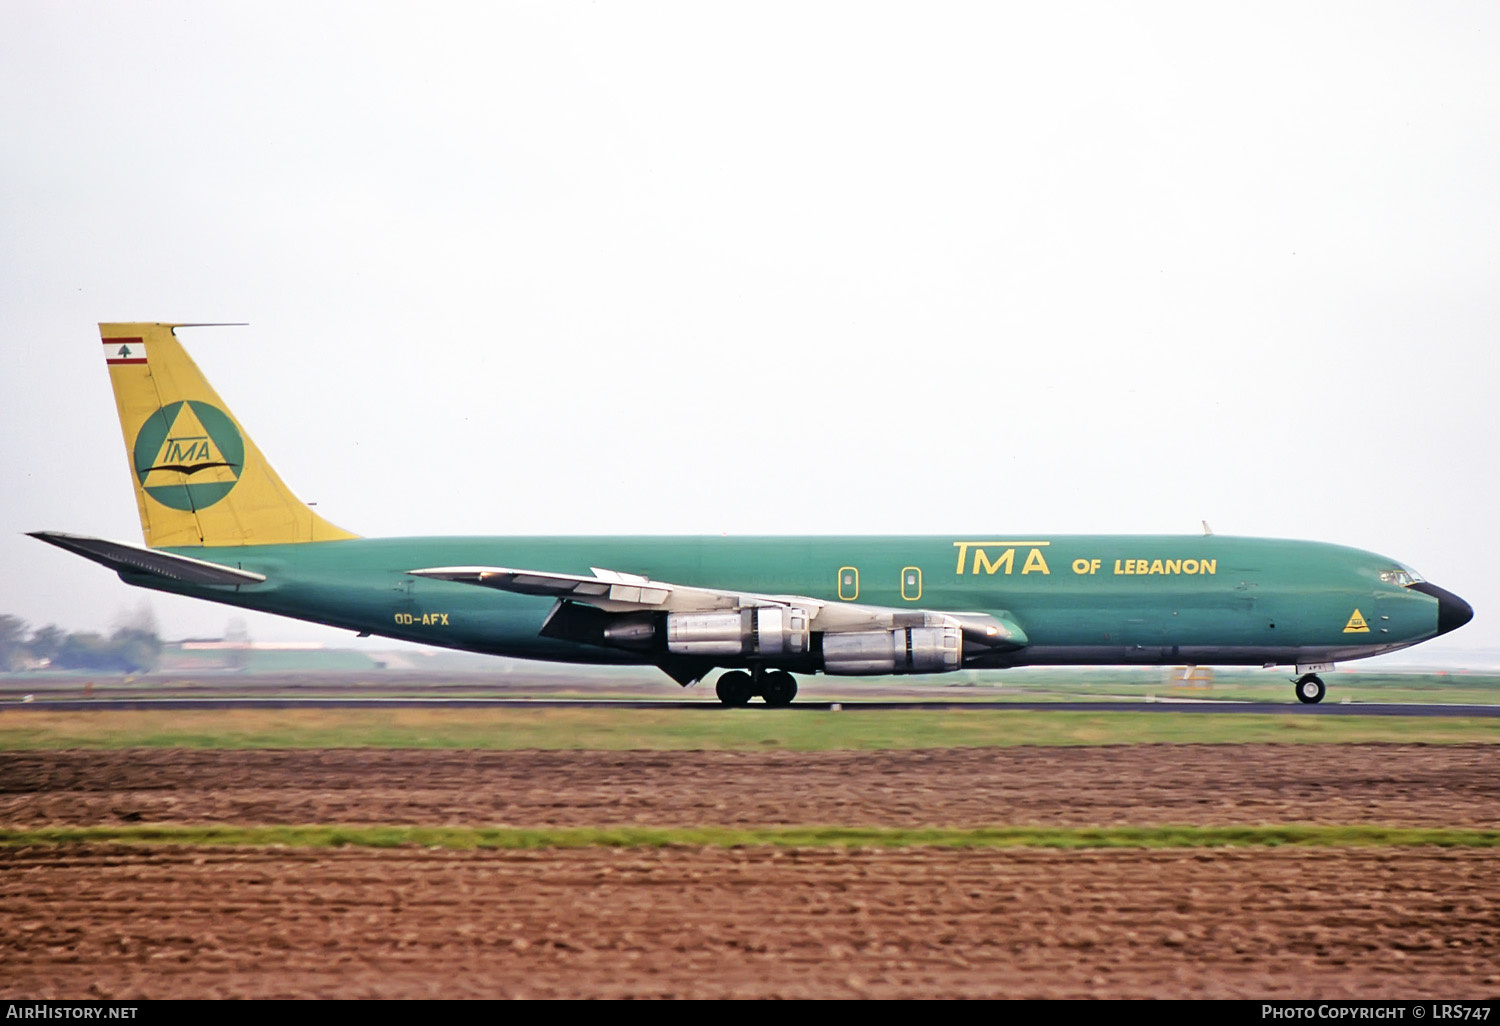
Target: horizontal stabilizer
148,561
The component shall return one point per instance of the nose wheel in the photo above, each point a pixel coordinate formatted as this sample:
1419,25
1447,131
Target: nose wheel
1310,689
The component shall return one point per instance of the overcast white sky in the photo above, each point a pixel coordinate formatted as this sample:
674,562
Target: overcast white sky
563,268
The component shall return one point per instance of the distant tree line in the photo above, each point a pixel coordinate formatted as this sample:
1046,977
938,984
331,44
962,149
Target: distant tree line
131,648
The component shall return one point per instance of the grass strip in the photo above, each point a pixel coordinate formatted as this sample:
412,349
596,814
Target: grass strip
385,836
708,729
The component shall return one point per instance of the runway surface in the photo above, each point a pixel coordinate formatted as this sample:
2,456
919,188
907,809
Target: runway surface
711,705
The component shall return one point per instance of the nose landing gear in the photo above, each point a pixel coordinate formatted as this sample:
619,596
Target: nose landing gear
1309,688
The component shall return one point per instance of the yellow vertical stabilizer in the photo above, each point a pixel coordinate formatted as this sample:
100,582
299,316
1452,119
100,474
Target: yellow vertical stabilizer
199,479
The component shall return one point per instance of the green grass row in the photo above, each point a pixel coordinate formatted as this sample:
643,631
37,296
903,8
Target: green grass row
331,836
755,729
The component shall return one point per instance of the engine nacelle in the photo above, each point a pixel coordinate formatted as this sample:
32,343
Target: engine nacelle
769,631
905,650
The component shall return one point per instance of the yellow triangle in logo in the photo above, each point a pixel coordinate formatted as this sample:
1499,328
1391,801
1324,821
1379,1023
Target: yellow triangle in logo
189,455
1356,624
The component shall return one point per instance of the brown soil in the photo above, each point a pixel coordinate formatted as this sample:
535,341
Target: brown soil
1408,785
1367,923
120,921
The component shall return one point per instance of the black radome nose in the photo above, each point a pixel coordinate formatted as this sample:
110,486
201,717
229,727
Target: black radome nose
1453,612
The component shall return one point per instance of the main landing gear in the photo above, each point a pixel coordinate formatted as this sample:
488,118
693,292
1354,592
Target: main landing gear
1310,689
737,687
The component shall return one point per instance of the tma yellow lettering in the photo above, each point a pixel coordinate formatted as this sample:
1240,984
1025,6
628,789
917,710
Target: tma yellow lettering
1005,562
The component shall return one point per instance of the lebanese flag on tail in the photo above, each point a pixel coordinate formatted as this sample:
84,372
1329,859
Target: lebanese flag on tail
124,350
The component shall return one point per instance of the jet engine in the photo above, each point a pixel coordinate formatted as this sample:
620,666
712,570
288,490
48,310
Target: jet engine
904,650
760,630
765,631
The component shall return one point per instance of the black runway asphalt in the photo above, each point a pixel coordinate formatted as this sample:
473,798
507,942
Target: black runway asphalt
1174,706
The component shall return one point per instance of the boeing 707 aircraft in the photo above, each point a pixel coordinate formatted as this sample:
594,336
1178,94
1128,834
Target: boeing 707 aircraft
220,525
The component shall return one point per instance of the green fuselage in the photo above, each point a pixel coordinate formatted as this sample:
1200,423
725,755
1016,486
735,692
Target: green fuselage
1201,599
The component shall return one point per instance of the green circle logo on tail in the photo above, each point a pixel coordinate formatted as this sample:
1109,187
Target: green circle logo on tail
189,455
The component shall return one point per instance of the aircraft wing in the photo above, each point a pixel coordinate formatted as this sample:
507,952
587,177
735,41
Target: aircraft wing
620,593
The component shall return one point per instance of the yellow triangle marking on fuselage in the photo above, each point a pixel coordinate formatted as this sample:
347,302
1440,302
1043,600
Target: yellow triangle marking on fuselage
1356,624
187,447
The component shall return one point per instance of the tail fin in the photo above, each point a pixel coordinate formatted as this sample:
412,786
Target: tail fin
199,479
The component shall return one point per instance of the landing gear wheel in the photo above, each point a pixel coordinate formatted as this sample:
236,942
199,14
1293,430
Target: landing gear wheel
779,688
734,688
1310,689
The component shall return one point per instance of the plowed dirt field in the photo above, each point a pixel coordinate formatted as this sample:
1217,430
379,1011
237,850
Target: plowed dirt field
141,921
1404,785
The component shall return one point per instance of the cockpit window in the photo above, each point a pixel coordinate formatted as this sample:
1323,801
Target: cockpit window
1404,576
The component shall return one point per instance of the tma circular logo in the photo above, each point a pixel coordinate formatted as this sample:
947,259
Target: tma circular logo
188,455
